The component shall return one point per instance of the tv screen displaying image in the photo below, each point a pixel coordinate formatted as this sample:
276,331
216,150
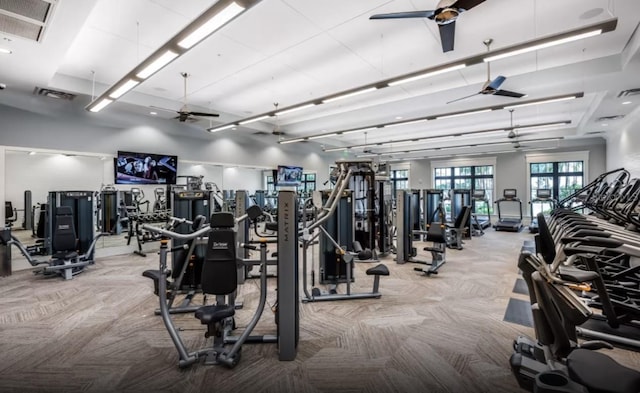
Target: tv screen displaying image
145,168
288,176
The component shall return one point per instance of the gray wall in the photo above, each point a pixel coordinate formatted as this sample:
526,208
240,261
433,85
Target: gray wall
51,127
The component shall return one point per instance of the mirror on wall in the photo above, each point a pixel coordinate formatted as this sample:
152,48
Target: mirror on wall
41,172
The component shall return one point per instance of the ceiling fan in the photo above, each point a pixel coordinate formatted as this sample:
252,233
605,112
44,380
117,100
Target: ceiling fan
445,15
184,114
492,87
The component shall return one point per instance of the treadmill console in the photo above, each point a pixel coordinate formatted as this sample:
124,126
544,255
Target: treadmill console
510,193
543,193
479,194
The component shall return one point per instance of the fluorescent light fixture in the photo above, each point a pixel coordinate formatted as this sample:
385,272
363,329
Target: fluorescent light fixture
558,99
125,87
100,105
294,109
404,123
427,74
153,113
358,130
322,136
463,114
626,103
221,128
291,141
336,149
32,153
543,45
5,51
211,25
347,95
253,120
560,123
158,63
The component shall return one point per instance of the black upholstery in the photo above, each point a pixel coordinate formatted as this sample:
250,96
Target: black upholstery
219,270
10,215
544,242
64,238
600,373
379,270
596,371
436,233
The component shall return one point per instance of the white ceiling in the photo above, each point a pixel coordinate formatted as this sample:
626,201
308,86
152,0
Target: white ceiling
291,51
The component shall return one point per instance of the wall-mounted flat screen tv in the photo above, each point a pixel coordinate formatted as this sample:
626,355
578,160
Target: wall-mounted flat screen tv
288,176
145,168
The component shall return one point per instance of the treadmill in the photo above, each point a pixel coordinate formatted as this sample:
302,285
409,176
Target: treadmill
479,221
510,224
543,196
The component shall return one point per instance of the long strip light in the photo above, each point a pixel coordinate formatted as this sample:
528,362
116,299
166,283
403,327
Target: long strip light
215,17
213,24
544,42
427,74
466,113
558,99
5,51
348,95
452,147
543,45
484,132
125,87
443,116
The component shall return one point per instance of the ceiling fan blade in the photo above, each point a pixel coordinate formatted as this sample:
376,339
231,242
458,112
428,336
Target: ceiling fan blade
468,4
204,114
447,35
402,15
507,93
495,84
463,98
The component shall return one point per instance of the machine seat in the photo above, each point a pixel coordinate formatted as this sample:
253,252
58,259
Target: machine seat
380,270
212,314
576,275
271,226
600,373
66,255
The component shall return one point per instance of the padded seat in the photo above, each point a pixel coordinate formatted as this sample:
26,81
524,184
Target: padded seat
271,226
380,270
214,313
600,373
65,255
576,275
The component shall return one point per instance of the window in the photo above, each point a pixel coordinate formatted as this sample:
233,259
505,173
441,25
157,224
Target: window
467,178
308,183
563,178
399,180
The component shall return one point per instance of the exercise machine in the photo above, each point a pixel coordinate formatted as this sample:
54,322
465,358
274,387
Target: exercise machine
479,201
543,197
459,199
65,260
511,224
81,204
111,209
219,278
333,225
437,234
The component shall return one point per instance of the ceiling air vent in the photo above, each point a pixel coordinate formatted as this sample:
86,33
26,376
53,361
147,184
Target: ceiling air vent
25,18
610,118
629,92
61,95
